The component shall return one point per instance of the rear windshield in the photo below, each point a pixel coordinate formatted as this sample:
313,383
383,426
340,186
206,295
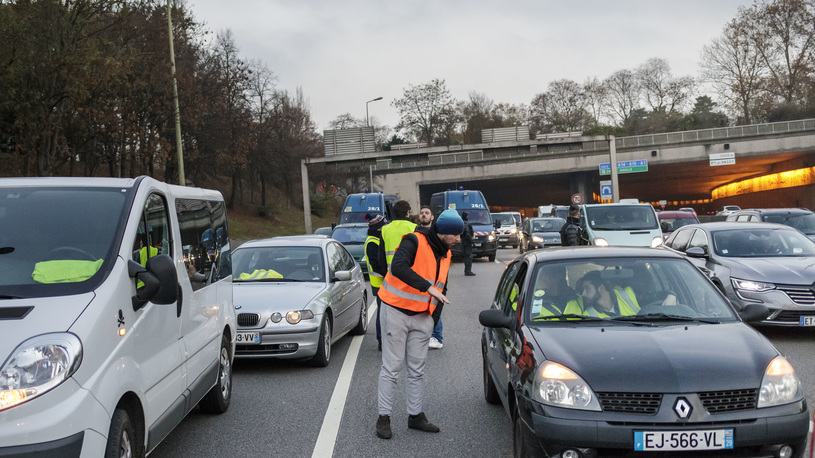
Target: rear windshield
58,241
621,217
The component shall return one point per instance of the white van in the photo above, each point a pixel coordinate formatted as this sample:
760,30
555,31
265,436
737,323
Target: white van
621,224
116,315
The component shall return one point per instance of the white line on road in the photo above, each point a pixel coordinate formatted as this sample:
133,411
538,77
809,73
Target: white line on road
324,447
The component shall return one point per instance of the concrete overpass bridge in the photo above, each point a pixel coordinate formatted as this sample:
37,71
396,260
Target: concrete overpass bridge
525,174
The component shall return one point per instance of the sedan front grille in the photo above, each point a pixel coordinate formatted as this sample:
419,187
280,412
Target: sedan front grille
636,403
798,294
729,401
248,319
792,316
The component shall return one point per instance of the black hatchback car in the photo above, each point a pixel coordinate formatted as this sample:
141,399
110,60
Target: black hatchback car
674,370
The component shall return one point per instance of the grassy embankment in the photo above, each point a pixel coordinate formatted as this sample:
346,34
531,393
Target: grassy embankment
246,225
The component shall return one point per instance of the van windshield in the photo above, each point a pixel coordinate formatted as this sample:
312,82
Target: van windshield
57,241
355,217
477,217
620,217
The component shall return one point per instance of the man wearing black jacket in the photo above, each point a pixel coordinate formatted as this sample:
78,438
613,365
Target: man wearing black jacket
413,294
571,234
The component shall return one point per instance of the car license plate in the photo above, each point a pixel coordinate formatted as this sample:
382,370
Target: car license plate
476,244
503,239
807,321
248,338
710,439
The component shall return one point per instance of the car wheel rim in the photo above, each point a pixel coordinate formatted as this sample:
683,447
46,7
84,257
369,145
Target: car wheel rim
517,443
226,369
125,447
363,315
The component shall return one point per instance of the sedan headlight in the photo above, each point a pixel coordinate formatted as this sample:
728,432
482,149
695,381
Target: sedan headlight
537,239
749,285
599,241
780,385
296,316
656,241
37,366
557,385
491,237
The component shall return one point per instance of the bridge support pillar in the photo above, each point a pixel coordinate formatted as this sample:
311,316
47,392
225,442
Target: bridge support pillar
583,183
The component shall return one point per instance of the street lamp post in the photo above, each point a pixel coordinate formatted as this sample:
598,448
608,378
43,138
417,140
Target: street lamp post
366,109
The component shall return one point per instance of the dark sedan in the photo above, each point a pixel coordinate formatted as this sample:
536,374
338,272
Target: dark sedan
540,233
765,263
682,374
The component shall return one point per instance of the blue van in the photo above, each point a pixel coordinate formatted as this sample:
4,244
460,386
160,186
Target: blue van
357,205
478,214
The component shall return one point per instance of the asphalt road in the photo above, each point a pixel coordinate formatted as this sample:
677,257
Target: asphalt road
278,407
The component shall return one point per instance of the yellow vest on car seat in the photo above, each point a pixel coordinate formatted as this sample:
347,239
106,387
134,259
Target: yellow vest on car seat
65,271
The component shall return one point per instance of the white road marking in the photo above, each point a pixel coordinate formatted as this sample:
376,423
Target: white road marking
324,448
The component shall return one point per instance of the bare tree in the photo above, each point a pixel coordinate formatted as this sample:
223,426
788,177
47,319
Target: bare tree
595,95
784,37
560,109
425,111
346,121
731,63
261,90
663,92
623,95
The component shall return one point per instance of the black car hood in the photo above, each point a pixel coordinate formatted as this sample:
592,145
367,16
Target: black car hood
666,358
791,270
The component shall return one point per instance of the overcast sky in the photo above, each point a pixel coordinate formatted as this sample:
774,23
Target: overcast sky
344,53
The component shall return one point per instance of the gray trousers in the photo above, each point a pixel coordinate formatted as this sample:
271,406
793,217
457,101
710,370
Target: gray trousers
404,340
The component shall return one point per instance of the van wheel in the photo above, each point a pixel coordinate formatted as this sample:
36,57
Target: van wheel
218,398
362,325
323,355
122,441
492,257
514,246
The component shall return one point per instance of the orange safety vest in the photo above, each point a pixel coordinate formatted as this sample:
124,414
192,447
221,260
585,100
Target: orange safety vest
399,294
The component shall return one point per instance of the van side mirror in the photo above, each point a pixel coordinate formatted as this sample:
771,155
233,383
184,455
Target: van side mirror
160,281
496,224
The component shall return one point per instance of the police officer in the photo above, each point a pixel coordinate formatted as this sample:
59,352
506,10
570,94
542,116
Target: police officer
570,233
413,293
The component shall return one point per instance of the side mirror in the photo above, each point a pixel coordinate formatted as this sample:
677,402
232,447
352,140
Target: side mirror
496,224
754,312
342,275
494,318
160,281
696,252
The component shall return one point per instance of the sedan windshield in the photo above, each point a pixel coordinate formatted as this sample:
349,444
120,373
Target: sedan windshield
804,222
547,225
627,290
350,235
57,241
278,263
762,243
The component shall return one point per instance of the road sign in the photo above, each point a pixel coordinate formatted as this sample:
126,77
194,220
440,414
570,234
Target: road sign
577,199
605,190
625,167
722,159
663,203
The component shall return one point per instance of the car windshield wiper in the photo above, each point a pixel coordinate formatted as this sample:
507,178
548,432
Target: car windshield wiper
664,317
568,316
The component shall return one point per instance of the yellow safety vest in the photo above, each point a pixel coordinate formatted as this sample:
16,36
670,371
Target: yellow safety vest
399,294
627,303
259,274
65,271
143,255
376,279
392,234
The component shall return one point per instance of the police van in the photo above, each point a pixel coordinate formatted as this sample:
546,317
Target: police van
478,215
116,314
621,224
356,206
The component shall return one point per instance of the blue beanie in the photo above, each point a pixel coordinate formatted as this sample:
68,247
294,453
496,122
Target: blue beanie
449,223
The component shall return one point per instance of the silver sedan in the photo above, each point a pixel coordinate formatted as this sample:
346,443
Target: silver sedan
765,263
295,296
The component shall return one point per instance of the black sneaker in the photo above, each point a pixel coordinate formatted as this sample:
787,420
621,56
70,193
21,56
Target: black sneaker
379,346
383,427
420,422
469,274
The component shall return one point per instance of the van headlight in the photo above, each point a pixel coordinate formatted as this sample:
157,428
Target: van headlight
599,241
657,241
557,385
780,385
491,237
37,366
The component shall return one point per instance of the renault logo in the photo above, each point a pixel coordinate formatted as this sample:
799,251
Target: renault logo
682,408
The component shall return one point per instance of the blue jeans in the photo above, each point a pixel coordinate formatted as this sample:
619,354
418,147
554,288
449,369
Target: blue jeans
437,331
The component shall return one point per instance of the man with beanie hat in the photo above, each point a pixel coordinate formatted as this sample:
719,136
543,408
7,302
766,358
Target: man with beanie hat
413,293
376,269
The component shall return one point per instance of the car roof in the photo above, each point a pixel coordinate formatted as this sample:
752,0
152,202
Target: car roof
545,218
350,225
314,240
775,210
729,225
588,252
